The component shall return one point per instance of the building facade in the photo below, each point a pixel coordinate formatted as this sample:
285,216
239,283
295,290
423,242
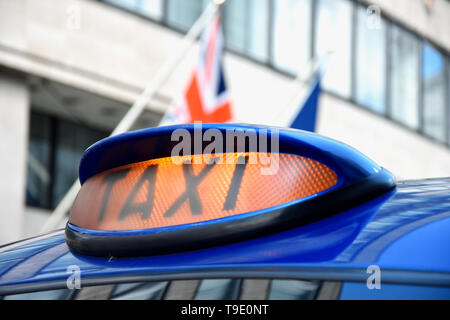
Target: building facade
70,69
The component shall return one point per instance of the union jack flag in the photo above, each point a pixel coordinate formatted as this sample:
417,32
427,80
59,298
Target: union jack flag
206,97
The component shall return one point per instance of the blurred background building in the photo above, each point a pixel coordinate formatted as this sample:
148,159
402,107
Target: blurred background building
70,69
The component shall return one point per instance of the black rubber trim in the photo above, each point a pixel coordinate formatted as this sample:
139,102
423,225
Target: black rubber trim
260,225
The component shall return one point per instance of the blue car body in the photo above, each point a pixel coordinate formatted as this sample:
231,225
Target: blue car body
405,233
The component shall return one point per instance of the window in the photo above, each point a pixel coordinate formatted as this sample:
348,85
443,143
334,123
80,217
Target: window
389,291
150,8
333,27
293,290
54,151
59,294
246,25
434,104
208,289
370,69
291,35
139,291
218,289
38,173
71,141
182,14
404,77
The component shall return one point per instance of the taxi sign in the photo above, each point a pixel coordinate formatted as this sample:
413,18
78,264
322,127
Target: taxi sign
157,193
138,198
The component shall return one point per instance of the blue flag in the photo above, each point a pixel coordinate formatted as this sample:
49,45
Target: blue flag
306,119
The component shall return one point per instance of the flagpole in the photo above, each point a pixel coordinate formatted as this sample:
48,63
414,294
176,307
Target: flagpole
314,65
294,101
139,105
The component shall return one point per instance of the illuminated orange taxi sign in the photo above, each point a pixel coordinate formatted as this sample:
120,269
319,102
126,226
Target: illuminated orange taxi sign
168,192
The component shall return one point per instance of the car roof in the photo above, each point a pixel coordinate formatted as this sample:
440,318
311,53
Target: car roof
405,233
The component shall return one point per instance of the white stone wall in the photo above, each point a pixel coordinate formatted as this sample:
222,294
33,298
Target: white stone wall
14,113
